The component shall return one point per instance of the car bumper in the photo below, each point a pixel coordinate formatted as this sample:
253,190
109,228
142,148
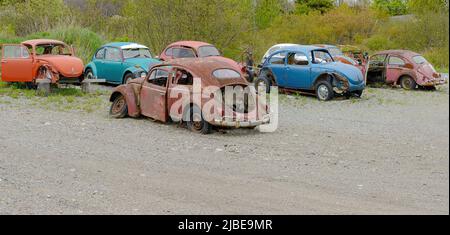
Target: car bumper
230,122
437,82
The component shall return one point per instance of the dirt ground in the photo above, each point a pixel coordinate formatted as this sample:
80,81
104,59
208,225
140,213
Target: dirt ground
387,153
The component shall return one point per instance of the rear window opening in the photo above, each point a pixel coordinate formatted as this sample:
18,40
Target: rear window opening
226,74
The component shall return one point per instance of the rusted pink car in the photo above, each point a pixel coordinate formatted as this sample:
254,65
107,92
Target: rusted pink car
153,96
196,49
405,68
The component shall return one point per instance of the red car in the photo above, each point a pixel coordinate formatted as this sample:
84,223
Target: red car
405,68
195,49
157,96
40,59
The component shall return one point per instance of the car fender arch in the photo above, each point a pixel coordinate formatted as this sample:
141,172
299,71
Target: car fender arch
406,74
268,72
130,98
92,67
334,79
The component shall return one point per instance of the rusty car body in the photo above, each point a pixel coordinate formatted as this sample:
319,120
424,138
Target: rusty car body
310,69
40,59
405,68
151,96
196,49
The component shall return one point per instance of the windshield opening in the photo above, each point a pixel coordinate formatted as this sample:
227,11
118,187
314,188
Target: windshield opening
322,57
207,51
53,49
137,53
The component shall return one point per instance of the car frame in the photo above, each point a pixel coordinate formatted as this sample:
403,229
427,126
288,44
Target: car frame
34,60
308,74
398,67
110,63
150,97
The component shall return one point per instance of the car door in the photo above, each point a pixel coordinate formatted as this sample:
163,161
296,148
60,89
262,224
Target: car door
376,71
298,71
153,96
113,65
394,68
277,64
99,62
16,64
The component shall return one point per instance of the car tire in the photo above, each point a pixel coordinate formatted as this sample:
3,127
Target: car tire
200,126
324,91
119,107
358,94
263,80
408,83
128,77
89,74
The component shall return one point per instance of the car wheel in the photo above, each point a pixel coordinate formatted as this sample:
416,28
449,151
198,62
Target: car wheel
31,85
128,77
263,81
408,83
119,107
196,123
324,91
89,74
358,94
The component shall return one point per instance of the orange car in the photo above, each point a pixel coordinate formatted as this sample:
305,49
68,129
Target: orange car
40,59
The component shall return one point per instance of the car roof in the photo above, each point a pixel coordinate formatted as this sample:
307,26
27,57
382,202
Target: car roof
204,67
125,45
325,46
405,53
35,42
301,48
193,44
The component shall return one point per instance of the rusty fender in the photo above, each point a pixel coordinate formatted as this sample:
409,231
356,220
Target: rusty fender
340,84
130,97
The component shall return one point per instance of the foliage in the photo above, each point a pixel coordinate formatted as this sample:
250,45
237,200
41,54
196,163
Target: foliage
306,6
392,7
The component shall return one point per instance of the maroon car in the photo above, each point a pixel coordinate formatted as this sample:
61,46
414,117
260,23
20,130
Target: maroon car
405,68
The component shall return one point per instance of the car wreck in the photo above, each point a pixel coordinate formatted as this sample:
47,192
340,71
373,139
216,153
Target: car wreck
405,68
182,90
195,49
310,69
120,62
41,60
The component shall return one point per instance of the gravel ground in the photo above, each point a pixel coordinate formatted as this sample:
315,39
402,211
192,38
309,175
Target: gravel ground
387,153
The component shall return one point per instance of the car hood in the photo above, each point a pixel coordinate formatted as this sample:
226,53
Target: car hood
68,66
144,63
352,73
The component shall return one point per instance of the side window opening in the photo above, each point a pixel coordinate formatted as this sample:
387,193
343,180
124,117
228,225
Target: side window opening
159,77
397,61
298,59
100,54
169,52
183,77
112,54
278,58
15,52
183,53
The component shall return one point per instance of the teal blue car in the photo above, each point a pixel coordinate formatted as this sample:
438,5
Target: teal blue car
120,62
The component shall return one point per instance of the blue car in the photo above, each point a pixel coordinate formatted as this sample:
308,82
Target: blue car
310,69
120,62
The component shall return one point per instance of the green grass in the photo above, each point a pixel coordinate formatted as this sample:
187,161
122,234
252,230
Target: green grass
60,99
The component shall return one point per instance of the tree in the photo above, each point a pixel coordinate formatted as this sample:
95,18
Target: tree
305,6
392,7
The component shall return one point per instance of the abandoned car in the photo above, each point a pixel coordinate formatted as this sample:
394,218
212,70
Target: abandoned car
405,68
40,59
195,49
310,69
120,62
153,96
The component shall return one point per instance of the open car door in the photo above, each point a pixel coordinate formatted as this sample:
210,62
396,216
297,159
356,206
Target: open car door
16,64
153,96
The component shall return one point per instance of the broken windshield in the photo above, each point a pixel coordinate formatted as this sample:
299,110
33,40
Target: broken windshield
137,53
